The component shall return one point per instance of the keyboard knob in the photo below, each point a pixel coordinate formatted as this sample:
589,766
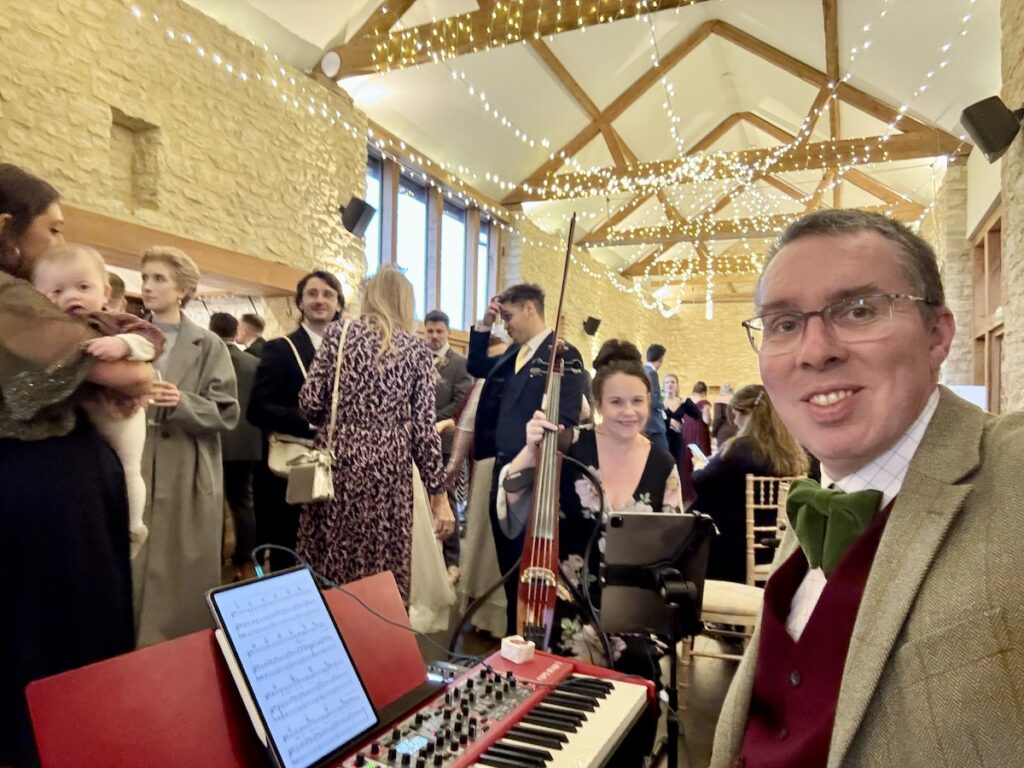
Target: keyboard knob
406,759
447,715
396,734
375,748
419,718
473,721
392,754
421,762
498,695
360,760
472,731
483,674
464,739
472,698
438,759
448,698
488,689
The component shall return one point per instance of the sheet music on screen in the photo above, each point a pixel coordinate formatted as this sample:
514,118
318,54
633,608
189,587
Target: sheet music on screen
299,672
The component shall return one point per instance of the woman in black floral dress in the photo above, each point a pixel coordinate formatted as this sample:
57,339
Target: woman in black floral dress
635,475
387,383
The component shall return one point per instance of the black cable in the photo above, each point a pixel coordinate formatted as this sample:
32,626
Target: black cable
479,601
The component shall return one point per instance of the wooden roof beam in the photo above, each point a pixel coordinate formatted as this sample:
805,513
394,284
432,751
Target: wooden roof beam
646,177
485,28
383,18
728,229
614,110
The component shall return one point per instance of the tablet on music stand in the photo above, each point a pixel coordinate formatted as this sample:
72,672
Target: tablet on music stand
303,694
643,552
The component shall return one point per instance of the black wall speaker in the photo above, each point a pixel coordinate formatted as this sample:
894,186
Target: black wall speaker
356,216
590,325
992,126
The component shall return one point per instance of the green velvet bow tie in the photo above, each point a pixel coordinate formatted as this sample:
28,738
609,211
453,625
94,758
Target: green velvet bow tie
827,522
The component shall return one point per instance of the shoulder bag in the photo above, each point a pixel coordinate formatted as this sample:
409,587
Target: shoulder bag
310,478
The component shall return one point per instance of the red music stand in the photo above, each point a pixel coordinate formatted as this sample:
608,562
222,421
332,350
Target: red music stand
175,704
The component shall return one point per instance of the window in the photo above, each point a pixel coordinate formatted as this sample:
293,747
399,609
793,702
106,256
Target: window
453,264
483,260
373,197
411,256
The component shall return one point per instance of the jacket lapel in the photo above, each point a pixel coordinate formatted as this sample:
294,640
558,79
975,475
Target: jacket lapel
928,503
304,345
185,352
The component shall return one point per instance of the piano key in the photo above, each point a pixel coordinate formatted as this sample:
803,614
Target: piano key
504,753
572,701
556,725
519,749
499,762
582,690
550,739
594,741
592,685
560,712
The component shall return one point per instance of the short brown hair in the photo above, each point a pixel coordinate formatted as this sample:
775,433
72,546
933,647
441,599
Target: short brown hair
184,270
523,292
915,255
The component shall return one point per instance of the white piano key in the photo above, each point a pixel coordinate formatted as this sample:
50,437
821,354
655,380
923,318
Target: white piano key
601,733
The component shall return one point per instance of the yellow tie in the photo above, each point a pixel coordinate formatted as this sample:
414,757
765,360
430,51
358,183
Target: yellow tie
522,357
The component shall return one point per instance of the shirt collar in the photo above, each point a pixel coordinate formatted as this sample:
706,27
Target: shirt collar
886,472
314,337
443,351
536,341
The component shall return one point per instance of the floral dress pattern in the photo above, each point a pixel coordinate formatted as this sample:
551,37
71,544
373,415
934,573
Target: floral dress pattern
658,490
367,527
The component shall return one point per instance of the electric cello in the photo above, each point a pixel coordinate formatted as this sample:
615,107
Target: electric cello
539,567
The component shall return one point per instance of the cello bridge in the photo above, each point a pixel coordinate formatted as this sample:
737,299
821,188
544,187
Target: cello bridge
543,575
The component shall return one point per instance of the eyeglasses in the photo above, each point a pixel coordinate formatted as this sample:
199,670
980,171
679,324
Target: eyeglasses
866,318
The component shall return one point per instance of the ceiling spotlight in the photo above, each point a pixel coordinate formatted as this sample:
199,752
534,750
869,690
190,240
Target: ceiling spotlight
330,64
992,126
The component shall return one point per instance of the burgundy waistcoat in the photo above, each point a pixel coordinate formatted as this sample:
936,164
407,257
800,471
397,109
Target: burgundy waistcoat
796,683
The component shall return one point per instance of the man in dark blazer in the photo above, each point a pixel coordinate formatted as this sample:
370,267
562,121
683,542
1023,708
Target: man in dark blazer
242,447
451,383
655,429
513,389
250,334
274,405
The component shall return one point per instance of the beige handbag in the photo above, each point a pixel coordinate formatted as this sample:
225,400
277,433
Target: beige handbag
283,449
310,478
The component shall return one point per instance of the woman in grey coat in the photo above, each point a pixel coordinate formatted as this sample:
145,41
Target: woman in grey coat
192,403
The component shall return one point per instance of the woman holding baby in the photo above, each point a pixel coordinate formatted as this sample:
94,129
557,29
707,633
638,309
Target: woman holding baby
65,583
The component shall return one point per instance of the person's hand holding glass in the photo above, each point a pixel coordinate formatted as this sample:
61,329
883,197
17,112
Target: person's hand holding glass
163,397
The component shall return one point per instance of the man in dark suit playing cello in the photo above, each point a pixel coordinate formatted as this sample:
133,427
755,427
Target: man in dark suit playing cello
512,391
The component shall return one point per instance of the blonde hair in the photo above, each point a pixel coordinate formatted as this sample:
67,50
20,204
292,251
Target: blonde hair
766,433
388,304
69,252
183,269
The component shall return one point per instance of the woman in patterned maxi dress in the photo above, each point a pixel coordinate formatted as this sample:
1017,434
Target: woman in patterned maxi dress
385,421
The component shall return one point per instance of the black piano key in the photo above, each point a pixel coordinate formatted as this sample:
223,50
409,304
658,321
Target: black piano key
507,754
500,762
547,722
543,738
595,681
583,690
572,701
589,684
564,714
519,749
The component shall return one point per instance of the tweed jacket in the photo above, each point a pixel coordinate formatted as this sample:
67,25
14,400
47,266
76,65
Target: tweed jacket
935,671
451,383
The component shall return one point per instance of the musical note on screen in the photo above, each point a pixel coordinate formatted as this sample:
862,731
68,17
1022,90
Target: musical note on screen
301,677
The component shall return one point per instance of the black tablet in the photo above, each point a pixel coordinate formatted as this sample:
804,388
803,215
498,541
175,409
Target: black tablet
304,695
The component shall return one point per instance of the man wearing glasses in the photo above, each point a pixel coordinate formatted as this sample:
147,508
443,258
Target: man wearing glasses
893,623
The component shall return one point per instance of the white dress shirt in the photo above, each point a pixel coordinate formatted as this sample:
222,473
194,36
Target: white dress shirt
884,473
314,337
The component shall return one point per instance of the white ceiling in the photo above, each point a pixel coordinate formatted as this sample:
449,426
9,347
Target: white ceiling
434,112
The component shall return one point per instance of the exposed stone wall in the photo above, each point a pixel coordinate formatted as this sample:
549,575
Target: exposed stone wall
1012,12
129,121
946,230
715,351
